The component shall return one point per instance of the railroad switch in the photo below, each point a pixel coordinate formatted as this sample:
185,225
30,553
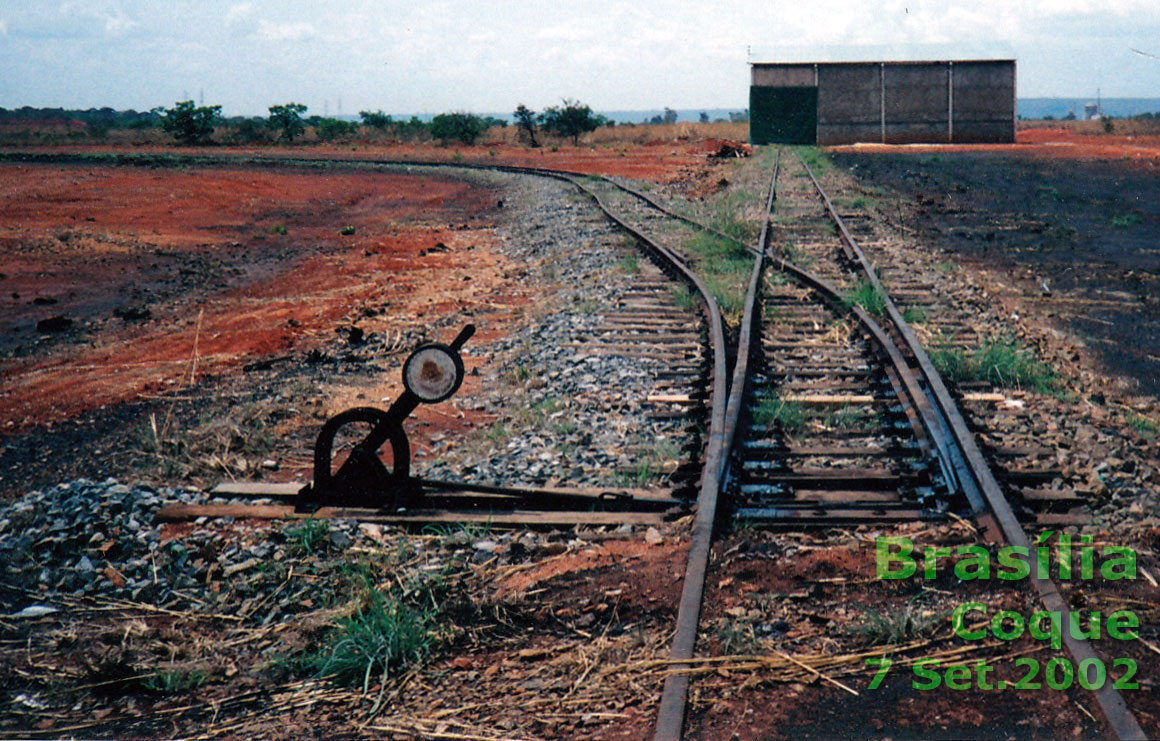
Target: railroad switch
431,374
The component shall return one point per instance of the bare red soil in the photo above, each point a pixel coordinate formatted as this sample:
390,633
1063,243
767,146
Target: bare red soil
1044,143
202,252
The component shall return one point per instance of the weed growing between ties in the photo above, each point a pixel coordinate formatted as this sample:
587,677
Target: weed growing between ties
651,466
815,159
1000,362
309,538
868,297
897,625
1147,428
725,267
382,635
914,315
771,409
683,298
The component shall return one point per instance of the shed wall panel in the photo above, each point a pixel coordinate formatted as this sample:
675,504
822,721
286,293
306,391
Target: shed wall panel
829,134
916,94
790,75
984,92
901,102
849,94
783,115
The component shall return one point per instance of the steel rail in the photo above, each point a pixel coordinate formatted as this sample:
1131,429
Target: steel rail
982,479
674,695
977,473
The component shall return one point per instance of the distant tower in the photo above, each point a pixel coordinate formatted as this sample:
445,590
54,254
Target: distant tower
201,97
340,107
326,108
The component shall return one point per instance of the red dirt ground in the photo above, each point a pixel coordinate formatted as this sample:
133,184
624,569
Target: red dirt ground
659,162
93,238
1044,143
86,239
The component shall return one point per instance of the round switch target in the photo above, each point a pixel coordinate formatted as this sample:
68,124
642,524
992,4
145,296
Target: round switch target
433,373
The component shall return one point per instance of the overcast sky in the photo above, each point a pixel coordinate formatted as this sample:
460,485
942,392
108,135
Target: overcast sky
489,55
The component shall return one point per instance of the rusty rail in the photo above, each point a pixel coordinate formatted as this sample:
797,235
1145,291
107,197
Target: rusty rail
973,473
961,458
671,713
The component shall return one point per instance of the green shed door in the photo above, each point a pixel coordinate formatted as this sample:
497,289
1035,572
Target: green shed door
783,115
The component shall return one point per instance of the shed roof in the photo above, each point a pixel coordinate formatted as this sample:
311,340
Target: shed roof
876,53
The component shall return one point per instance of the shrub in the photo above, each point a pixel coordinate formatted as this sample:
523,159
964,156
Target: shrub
461,127
998,361
570,120
329,129
376,120
526,121
249,131
383,635
287,119
190,124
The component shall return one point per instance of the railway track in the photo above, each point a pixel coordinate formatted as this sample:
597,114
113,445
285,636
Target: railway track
821,330
827,412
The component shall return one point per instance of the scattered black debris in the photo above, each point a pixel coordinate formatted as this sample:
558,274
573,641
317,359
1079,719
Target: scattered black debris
730,149
43,301
54,324
316,356
133,313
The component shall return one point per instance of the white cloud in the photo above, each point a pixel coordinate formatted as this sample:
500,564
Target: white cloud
3,28
299,31
564,33
118,23
239,14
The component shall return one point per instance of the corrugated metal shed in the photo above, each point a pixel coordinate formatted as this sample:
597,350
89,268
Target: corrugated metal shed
964,101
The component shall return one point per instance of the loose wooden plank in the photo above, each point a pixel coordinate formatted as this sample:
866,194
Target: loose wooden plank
825,517
181,512
825,399
255,489
263,489
844,496
669,398
985,397
1051,495
1062,518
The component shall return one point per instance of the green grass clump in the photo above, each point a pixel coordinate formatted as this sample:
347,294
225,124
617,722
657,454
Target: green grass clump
772,409
1000,362
308,538
725,268
849,417
384,634
914,315
1146,427
628,264
815,159
738,639
1123,221
683,298
896,625
278,229
173,681
346,231
868,297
